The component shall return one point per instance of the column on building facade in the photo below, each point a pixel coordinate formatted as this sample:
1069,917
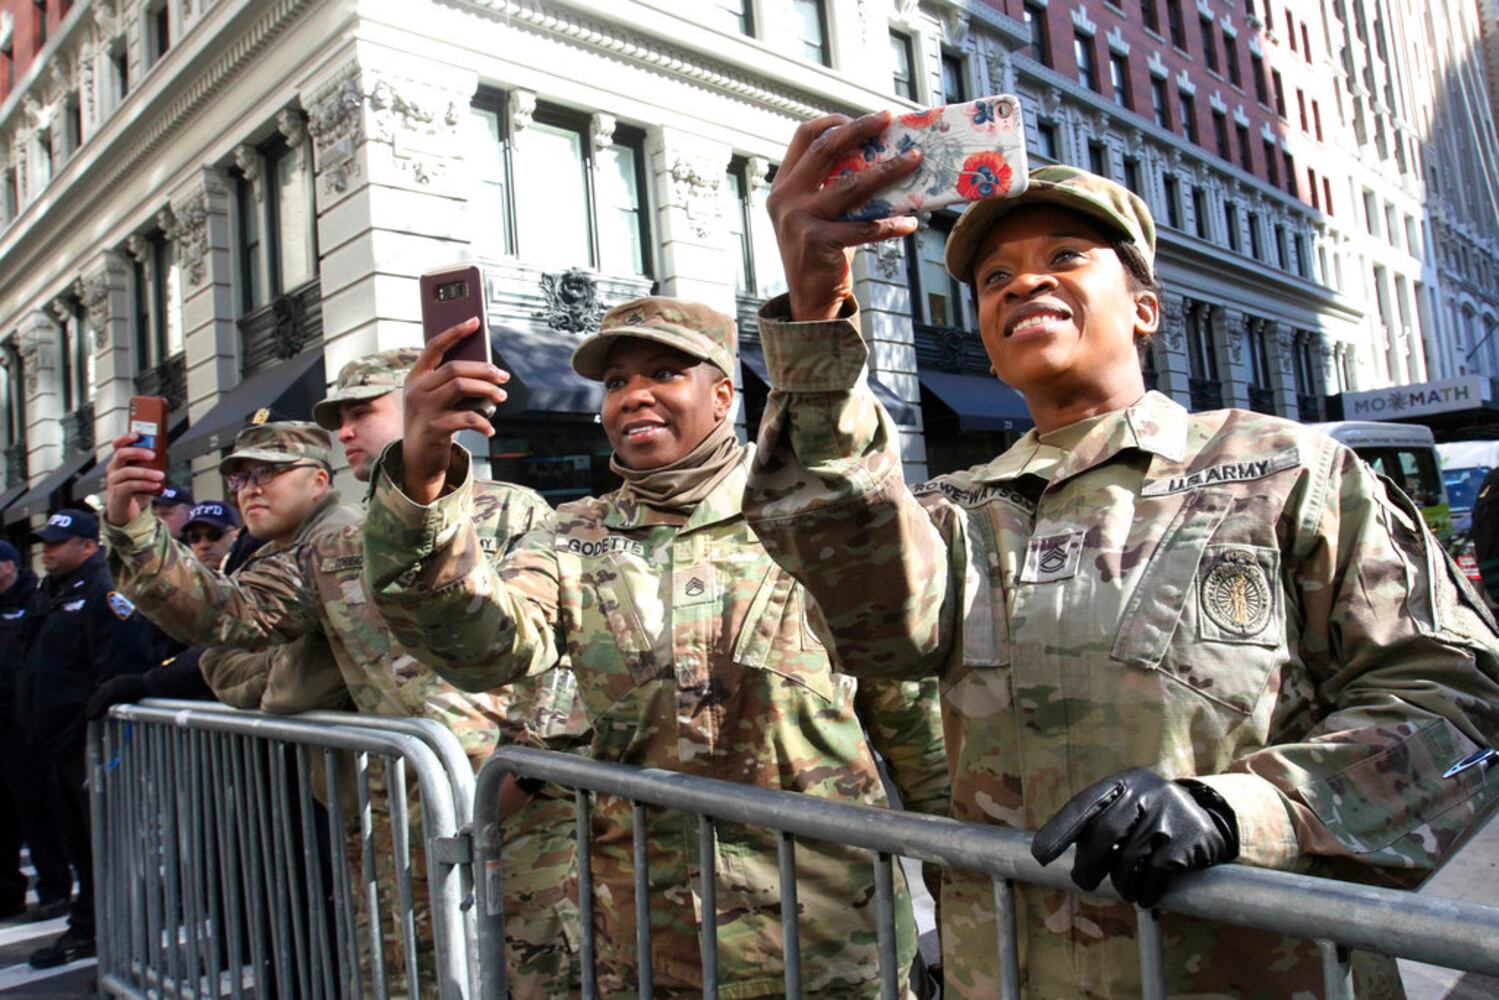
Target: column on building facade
40,343
881,284
106,304
1229,329
200,227
1280,341
391,194
1173,370
687,174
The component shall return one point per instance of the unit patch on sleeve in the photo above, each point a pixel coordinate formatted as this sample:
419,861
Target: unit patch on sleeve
120,605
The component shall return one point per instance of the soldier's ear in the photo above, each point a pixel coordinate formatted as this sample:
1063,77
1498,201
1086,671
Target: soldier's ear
1147,314
723,397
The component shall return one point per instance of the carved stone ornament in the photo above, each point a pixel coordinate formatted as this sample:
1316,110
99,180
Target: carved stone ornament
247,159
601,129
522,106
1174,323
957,21
292,125
96,304
166,221
192,236
696,187
889,259
417,120
757,171
1284,343
572,302
138,248
30,350
336,123
950,348
997,63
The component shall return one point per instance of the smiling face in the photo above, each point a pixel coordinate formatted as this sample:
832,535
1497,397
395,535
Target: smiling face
365,427
1057,312
659,403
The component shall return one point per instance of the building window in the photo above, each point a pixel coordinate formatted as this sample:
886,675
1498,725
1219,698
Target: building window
573,204
78,359
1171,191
1290,165
158,32
1317,120
1257,70
1282,254
1087,67
1306,43
1098,159
72,124
902,60
1246,157
1256,242
1305,371
1176,24
38,26
1290,30
1119,80
812,18
1202,356
119,62
1188,116
1260,395
1220,135
954,79
1303,262
738,14
739,212
489,153
1231,59
1158,103
1272,163
158,303
12,195
1048,140
936,295
1149,17
1311,183
1306,123
1040,46
1231,224
277,223
1132,178
1200,213
1280,92
1209,44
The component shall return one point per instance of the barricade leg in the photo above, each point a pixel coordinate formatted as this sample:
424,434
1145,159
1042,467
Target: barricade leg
790,914
707,858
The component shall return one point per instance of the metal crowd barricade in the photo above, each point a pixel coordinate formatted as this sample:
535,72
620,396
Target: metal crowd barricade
210,866
1340,916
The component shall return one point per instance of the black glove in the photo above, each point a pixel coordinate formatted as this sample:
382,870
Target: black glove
1140,829
115,691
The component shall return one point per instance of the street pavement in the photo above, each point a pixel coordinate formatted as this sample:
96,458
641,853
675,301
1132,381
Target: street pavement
1470,875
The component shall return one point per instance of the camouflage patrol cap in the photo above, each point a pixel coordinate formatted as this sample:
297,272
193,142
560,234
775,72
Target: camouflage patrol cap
365,378
283,441
690,327
1120,211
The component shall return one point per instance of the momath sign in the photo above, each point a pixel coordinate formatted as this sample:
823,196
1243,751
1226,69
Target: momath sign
1466,393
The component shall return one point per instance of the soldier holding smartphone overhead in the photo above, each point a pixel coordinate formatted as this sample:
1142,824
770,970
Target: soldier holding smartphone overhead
1170,639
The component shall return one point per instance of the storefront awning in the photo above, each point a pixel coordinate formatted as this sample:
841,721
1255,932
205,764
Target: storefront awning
288,389
981,402
38,500
903,412
9,496
542,380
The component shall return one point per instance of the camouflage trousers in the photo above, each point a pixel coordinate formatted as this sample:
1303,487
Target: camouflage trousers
541,918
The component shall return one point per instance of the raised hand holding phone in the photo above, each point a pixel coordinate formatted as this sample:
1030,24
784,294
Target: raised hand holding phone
438,403
452,295
138,467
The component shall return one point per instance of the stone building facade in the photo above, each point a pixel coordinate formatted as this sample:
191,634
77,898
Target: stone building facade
221,201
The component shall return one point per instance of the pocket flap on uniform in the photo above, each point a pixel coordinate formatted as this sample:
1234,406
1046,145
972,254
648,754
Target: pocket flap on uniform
1165,587
762,621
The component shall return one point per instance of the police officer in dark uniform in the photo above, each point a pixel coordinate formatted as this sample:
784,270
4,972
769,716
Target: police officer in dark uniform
84,634
1485,535
23,797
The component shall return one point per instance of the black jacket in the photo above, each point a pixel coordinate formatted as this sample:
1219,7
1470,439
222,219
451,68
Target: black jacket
1485,532
84,634
19,610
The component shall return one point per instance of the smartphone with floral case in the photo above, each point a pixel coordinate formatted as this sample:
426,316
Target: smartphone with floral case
968,152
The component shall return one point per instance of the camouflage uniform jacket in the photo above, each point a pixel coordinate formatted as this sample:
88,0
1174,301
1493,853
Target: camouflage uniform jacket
691,653
314,583
1222,595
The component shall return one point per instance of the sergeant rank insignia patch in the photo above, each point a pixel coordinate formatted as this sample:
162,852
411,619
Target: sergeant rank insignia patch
1235,594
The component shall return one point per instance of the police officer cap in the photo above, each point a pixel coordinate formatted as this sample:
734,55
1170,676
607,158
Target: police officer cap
69,523
214,514
690,327
8,553
170,496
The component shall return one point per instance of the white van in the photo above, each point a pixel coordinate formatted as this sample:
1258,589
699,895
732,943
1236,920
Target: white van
1406,454
1464,464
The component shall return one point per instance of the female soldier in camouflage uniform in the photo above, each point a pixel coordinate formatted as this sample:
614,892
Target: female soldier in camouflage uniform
690,648
1174,639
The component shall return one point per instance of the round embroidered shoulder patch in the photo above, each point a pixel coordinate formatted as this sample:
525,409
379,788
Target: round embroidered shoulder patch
1236,595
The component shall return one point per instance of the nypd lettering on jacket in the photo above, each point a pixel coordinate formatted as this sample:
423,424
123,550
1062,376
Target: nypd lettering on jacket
1228,472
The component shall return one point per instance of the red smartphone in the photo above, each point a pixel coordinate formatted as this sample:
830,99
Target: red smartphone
148,422
451,295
